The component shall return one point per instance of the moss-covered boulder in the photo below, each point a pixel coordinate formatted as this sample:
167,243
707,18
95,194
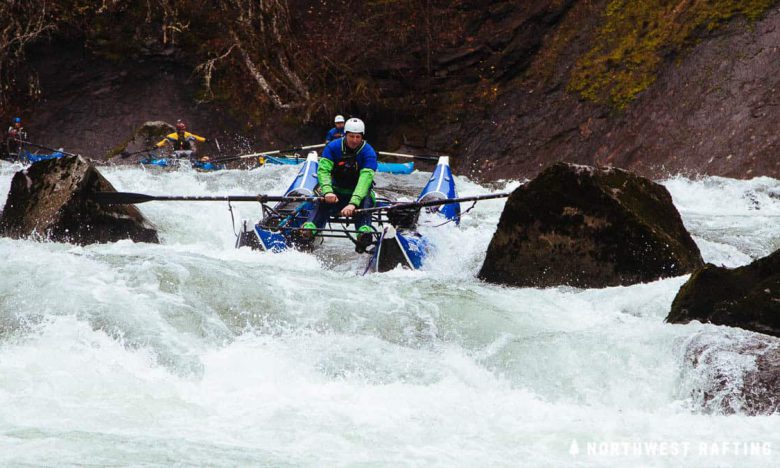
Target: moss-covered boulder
589,228
51,200
747,297
145,137
732,372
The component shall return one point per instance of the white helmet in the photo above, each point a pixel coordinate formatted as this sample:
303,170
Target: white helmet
339,118
354,125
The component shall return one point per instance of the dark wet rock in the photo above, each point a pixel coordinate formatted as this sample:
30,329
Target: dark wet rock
747,297
50,200
590,228
732,372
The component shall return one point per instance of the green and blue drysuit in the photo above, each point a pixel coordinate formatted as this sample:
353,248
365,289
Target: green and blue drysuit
350,175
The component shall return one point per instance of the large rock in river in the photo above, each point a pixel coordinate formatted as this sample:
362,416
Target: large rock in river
589,228
50,199
746,297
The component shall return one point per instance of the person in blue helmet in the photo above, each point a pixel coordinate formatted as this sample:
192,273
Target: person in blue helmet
336,132
346,178
14,139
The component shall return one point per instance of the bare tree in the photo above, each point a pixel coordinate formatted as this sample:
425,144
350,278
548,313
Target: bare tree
260,33
22,22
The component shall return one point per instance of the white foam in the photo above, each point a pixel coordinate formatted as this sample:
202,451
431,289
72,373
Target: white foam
195,353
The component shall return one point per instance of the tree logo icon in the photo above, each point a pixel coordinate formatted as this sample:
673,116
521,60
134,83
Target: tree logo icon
574,448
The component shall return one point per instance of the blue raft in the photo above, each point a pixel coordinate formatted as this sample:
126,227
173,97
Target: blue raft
38,157
175,161
395,243
399,242
279,228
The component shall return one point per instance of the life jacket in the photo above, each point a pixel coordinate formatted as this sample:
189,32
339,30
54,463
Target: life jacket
346,172
334,134
181,143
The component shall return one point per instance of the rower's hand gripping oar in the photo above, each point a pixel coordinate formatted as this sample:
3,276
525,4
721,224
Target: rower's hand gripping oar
416,205
127,198
46,148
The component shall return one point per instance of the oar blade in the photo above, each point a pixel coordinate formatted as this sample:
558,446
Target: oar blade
120,198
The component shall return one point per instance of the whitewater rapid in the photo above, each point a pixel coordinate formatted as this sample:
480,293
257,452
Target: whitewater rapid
192,352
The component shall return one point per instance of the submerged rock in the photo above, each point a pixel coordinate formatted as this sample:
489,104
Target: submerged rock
589,228
50,199
732,372
747,297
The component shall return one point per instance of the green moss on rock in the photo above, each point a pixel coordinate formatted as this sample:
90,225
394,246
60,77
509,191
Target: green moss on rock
636,36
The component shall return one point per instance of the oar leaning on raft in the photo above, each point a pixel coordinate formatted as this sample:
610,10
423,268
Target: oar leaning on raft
409,156
47,148
267,153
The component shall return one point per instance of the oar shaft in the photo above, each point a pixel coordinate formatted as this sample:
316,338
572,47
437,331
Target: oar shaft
402,205
410,156
46,148
268,153
124,198
287,150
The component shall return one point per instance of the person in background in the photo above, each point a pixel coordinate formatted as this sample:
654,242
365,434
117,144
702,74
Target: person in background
336,132
346,178
182,140
14,139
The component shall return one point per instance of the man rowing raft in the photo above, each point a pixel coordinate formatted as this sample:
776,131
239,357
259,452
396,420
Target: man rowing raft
346,177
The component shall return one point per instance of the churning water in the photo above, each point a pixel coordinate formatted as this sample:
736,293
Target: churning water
194,353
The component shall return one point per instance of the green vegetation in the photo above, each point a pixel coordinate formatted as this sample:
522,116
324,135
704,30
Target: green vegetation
637,35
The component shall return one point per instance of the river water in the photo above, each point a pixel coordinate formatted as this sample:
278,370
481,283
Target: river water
194,353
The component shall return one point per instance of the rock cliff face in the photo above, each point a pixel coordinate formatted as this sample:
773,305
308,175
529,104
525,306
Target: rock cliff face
506,87
51,200
590,228
710,108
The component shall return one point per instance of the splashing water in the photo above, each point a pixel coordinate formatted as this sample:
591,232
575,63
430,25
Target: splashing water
192,352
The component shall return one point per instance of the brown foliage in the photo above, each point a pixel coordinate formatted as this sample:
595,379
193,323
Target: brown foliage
313,58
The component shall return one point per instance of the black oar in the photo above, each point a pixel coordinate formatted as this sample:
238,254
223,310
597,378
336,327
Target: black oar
46,148
268,153
410,156
126,198
125,154
415,205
